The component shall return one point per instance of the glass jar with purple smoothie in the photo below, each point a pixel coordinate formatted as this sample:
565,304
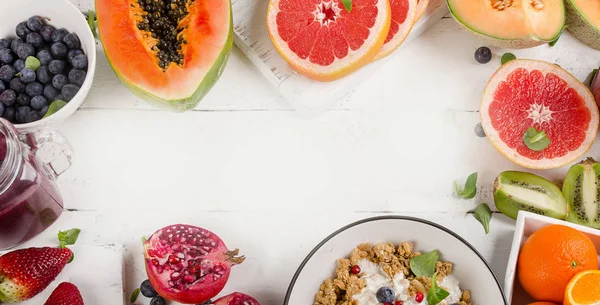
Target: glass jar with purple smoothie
29,198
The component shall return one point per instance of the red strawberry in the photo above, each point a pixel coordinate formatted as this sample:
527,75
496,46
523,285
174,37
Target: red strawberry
65,294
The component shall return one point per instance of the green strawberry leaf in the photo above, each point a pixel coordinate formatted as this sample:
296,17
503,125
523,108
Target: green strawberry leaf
135,295
424,264
436,294
507,57
535,140
483,214
67,238
32,63
54,108
347,5
470,189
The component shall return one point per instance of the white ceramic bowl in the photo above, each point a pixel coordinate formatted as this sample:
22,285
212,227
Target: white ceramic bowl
62,14
470,268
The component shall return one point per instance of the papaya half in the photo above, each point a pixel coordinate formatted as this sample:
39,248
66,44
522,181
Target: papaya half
583,21
170,53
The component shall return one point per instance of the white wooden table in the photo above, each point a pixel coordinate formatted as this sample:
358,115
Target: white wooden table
273,183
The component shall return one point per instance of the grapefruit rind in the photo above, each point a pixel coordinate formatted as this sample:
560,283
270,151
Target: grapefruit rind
421,8
510,153
403,31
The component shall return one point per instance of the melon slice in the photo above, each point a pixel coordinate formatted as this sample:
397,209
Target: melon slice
169,53
583,20
515,24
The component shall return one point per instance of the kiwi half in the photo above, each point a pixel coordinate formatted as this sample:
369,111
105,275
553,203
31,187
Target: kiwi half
515,191
581,192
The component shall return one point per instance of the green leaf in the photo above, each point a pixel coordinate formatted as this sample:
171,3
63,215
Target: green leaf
32,63
424,264
592,76
91,19
535,140
67,238
507,57
347,5
55,107
470,189
144,239
135,295
72,258
483,214
436,294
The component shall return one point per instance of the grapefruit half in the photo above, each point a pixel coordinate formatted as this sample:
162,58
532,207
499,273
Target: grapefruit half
322,40
527,93
404,14
421,7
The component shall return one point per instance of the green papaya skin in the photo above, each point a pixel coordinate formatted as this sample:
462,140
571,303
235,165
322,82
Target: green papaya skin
581,190
516,191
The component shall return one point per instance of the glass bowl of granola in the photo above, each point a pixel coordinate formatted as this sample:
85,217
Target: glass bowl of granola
394,260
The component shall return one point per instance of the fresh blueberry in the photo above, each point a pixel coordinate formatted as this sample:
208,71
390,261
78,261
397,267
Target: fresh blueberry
7,72
45,57
27,76
22,30
77,77
35,23
59,97
43,75
15,44
69,91
22,113
72,53
43,111
58,50
72,41
59,35
46,32
19,64
50,92
483,55
79,62
2,87
8,97
38,102
34,89
56,66
25,50
157,300
4,43
6,56
35,40
2,109
9,114
17,85
147,290
59,81
23,99
385,295
32,116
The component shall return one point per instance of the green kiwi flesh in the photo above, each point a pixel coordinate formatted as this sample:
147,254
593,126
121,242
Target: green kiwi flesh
516,191
580,189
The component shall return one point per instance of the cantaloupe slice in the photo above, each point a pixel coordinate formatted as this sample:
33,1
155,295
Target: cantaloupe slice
513,24
583,20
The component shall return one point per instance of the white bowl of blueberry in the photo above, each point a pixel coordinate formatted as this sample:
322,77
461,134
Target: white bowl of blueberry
47,61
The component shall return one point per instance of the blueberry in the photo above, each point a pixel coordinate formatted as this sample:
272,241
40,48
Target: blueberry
43,75
17,85
43,111
59,97
59,81
19,64
8,97
6,56
35,40
25,50
386,295
35,23
22,113
59,35
38,102
58,50
72,41
4,43
483,55
45,57
32,116
72,53
46,32
56,66
34,89
77,77
2,87
157,300
147,290
27,76
23,99
79,62
2,109
9,114
69,91
15,44
7,73
22,30
50,92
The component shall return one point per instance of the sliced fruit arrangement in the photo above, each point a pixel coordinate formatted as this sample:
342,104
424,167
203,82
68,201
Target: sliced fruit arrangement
169,53
514,24
583,289
583,21
538,115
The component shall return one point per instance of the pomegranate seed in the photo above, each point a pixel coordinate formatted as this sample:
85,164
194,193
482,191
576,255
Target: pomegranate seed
155,262
188,279
355,269
419,297
176,275
399,303
387,303
173,259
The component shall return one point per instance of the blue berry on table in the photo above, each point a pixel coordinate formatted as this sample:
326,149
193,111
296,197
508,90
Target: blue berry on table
15,44
43,75
483,55
6,56
56,66
17,85
8,97
59,97
45,57
9,114
59,35
4,43
72,41
19,64
72,53
157,300
385,295
147,290
59,81
79,62
7,72
27,76
46,32
38,102
25,50
23,99
35,40
35,23
22,30
69,91
77,77
50,92
58,50
34,89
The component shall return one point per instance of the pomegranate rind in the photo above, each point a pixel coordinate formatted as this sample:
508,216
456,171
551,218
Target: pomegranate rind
544,67
403,31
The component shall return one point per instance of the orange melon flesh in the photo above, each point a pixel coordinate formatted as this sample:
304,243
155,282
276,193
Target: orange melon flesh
589,10
209,40
583,20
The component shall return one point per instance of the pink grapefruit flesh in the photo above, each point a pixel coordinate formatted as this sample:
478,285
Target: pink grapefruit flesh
530,93
404,14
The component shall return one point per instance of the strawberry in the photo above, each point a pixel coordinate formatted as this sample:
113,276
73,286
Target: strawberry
26,272
65,294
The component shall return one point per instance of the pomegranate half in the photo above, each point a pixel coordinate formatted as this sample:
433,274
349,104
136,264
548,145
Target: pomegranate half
188,264
236,298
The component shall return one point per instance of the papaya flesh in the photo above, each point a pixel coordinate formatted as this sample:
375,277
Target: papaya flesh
583,21
170,53
514,24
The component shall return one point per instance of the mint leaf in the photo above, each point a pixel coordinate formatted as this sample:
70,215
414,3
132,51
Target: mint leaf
69,237
32,63
347,5
535,140
91,19
54,108
507,57
424,264
470,189
135,295
483,214
436,294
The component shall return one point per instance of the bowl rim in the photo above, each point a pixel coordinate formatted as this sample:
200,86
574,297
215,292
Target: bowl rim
388,217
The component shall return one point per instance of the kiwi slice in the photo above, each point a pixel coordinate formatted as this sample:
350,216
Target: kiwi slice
515,191
582,194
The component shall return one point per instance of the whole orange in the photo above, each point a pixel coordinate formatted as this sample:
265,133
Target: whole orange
550,257
541,303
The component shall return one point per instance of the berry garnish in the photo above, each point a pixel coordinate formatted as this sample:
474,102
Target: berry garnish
147,290
385,295
399,303
355,269
483,55
419,297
